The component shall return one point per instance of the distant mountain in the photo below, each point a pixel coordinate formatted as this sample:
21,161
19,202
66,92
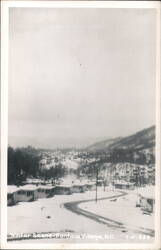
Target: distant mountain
52,143
143,139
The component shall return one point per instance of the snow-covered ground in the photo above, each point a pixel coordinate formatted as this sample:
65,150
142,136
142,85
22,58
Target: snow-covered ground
32,215
123,209
70,164
49,215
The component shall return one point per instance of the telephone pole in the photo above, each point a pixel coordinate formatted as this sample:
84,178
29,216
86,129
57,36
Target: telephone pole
96,180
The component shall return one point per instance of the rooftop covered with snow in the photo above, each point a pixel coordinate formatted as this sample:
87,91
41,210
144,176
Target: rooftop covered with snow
12,188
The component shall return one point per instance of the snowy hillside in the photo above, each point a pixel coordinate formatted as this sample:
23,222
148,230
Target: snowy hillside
143,139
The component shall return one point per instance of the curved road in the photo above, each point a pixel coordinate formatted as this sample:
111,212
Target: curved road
74,207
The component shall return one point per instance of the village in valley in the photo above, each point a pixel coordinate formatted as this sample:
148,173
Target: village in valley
108,186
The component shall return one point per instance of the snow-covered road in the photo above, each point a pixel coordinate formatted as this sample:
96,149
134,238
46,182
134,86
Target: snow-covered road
74,207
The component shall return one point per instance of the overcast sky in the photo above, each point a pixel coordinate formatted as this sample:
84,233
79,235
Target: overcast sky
80,75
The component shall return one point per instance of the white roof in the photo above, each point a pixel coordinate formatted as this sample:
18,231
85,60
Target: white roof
64,185
29,187
91,183
78,183
45,187
12,188
123,183
147,192
33,180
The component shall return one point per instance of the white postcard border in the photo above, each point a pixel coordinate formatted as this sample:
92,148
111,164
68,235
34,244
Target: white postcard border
5,5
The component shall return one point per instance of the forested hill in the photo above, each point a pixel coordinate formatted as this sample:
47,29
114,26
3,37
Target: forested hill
144,139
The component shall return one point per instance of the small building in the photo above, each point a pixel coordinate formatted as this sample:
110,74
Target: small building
63,189
91,186
99,182
124,185
146,199
26,193
79,187
11,195
44,191
10,199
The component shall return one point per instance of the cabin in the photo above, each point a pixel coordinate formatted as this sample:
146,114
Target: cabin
124,185
79,187
26,193
146,199
11,195
90,186
99,182
63,189
10,199
45,191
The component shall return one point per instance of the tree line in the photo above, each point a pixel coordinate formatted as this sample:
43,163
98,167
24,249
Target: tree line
22,163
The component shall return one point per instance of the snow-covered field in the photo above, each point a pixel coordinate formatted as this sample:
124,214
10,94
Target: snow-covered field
50,216
32,216
123,209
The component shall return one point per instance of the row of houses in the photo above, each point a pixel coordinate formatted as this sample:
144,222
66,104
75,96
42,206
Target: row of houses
129,172
30,193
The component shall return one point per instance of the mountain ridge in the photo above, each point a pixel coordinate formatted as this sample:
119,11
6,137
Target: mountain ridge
140,140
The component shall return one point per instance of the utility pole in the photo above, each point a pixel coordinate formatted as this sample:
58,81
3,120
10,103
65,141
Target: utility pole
104,183
96,181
